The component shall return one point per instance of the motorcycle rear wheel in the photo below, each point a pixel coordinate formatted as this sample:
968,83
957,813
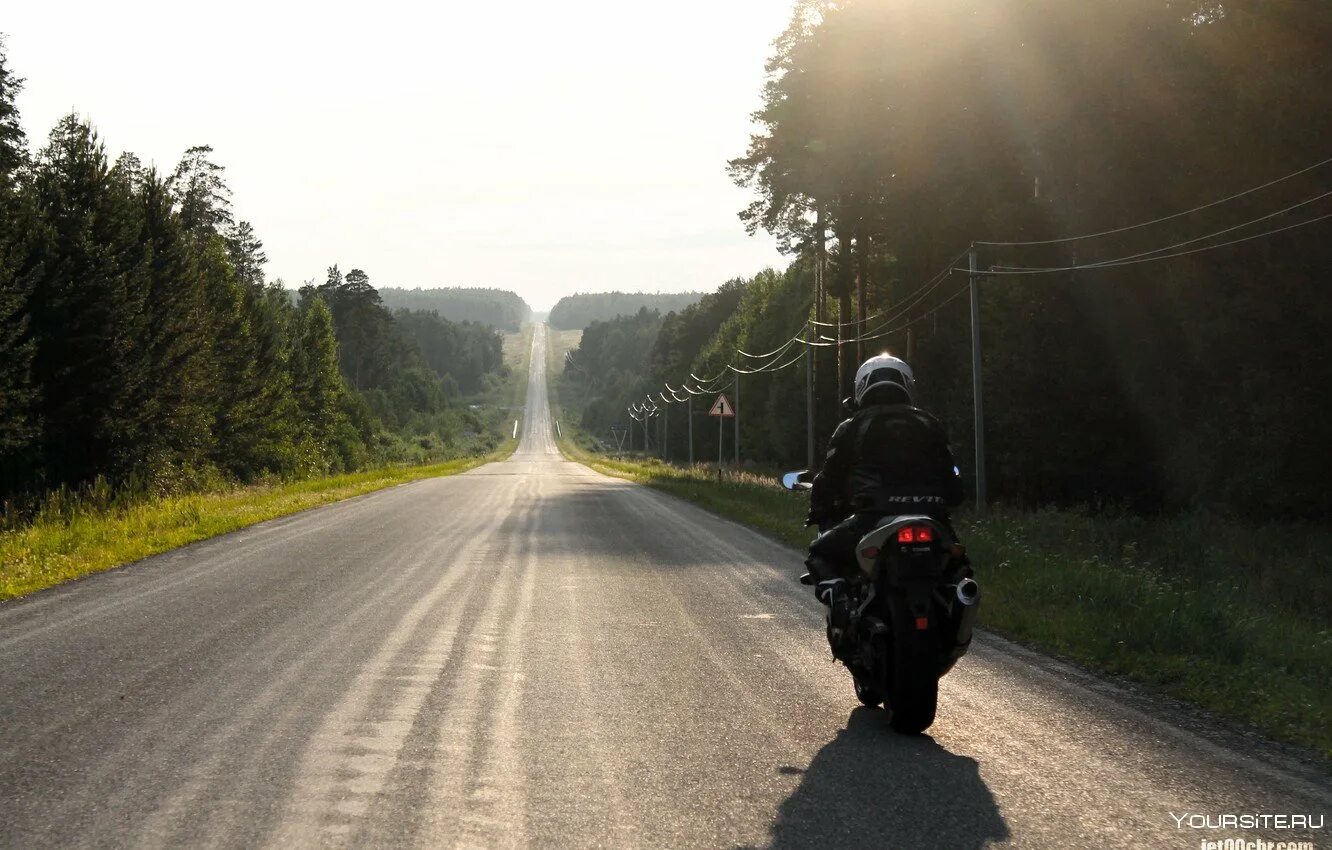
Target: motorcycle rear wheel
914,713
915,696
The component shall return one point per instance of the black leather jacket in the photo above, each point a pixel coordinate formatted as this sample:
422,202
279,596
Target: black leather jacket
887,458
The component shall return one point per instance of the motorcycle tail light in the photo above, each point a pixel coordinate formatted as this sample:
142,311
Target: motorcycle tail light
915,534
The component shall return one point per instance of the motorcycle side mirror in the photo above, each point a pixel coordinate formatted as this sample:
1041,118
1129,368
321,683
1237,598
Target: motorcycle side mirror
797,480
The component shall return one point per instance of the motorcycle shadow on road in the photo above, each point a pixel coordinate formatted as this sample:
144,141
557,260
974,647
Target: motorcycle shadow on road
870,787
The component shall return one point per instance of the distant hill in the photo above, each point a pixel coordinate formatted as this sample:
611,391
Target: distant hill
498,308
574,312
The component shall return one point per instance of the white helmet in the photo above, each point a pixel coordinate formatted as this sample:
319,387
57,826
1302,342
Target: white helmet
884,370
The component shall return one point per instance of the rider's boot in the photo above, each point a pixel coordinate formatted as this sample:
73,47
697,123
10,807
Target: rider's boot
833,594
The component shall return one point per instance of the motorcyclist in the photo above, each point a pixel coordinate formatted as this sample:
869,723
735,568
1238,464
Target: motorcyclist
890,458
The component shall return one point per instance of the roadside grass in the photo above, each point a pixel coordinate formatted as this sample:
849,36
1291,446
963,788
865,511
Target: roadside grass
565,397
1195,606
510,395
517,356
558,343
1232,618
76,537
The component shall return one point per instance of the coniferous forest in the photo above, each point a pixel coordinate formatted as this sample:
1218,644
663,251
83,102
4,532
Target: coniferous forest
142,345
1133,357
498,308
574,312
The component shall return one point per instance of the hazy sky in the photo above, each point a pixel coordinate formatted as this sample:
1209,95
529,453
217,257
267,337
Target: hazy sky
536,146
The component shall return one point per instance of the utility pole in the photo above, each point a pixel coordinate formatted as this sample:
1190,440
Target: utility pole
665,430
721,433
809,398
862,283
737,419
691,427
820,295
977,403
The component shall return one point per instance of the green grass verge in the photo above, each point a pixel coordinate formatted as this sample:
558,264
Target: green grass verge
83,540
79,535
1231,618
510,394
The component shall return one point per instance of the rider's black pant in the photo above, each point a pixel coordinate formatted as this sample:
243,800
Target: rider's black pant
833,553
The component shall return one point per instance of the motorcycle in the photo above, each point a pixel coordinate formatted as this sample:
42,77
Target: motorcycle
914,602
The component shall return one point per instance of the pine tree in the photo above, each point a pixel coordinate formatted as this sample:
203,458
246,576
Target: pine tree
317,382
272,320
83,309
18,423
13,141
178,340
231,292
247,255
201,191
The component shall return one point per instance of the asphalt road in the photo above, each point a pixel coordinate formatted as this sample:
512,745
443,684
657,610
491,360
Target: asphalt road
533,654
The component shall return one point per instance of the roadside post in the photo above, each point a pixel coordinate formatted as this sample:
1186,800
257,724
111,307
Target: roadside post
977,394
722,409
690,410
737,420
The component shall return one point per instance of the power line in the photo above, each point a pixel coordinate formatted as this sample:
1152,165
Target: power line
1122,260
1133,262
1130,227
800,355
947,268
701,381
902,311
781,348
923,316
708,386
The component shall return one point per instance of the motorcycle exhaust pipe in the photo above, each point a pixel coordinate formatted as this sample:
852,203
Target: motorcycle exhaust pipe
968,592
963,620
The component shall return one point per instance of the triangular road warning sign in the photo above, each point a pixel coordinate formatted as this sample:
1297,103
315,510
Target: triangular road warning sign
722,407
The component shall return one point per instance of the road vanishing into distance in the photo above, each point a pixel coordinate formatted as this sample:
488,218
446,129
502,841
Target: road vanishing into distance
533,654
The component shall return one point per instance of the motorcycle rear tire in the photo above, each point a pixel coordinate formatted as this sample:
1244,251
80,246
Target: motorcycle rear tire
913,712
915,693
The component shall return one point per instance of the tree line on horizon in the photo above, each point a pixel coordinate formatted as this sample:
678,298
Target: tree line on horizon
499,308
893,135
141,344
577,311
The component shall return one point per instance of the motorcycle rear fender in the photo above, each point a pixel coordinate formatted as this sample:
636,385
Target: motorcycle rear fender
884,536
